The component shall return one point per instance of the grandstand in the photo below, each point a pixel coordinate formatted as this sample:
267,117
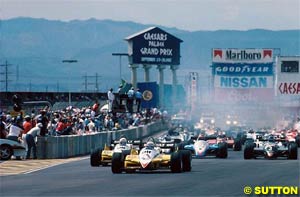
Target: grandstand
58,100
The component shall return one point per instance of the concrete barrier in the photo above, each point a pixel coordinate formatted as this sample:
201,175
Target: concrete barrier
52,147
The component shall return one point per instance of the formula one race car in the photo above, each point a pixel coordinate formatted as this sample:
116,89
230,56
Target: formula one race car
234,143
270,148
207,146
104,157
151,158
8,148
166,144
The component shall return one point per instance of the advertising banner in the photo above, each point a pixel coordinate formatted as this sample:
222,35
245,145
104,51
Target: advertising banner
288,88
242,55
240,69
231,95
243,75
244,82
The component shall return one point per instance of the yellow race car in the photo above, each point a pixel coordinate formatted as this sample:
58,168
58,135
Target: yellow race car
151,158
104,157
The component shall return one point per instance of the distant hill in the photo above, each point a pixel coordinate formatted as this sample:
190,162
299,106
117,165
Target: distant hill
38,46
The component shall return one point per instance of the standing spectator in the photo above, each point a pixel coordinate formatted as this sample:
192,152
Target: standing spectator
79,126
16,130
91,126
3,132
30,140
138,97
27,124
95,107
51,127
60,126
44,120
130,99
111,98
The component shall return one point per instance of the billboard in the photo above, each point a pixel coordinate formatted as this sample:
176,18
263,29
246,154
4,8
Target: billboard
289,88
243,75
154,46
288,77
242,55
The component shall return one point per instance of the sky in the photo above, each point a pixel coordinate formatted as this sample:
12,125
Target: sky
191,15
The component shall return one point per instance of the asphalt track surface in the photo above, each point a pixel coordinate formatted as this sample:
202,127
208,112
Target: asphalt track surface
209,177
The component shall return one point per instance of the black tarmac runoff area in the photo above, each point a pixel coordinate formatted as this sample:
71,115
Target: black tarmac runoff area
209,177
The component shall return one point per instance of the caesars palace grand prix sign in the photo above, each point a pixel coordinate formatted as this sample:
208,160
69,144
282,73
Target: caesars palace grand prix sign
154,46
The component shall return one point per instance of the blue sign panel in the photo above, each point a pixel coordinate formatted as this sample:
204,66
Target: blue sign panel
239,69
154,46
149,91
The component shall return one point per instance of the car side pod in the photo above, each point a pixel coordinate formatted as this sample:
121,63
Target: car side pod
293,151
95,158
249,151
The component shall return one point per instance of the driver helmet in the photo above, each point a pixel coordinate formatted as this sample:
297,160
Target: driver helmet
271,138
123,141
150,145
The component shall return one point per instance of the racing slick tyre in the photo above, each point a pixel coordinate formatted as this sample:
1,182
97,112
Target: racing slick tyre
117,163
249,151
5,152
186,160
95,158
181,145
298,140
176,162
222,151
237,145
293,151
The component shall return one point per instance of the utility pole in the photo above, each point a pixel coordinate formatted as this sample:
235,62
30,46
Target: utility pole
87,83
30,86
57,86
6,74
69,61
120,62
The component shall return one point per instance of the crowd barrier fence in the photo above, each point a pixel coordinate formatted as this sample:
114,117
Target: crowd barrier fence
53,147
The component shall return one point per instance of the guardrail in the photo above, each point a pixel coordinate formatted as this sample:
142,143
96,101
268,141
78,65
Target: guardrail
53,147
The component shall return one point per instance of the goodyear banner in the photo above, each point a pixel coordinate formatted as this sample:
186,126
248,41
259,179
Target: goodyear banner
240,69
149,91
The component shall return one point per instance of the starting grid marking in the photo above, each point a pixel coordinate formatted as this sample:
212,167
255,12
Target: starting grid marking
15,167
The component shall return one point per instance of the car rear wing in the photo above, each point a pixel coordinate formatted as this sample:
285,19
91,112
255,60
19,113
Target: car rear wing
165,144
204,138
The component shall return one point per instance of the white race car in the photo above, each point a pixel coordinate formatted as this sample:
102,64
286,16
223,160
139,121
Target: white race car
9,148
270,149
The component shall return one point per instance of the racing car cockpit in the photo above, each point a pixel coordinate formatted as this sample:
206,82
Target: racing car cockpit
271,138
150,145
123,142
